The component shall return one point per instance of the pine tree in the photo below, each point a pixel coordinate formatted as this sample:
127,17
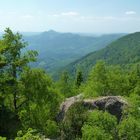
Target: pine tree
13,62
79,78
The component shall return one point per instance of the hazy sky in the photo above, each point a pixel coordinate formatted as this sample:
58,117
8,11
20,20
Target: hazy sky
96,16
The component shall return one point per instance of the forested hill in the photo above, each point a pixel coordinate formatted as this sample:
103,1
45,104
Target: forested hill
125,50
35,107
59,49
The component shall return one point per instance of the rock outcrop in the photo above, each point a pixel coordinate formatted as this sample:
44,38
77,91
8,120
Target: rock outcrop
113,104
67,104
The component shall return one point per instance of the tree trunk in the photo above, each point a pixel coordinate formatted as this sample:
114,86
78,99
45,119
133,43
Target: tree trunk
14,87
15,101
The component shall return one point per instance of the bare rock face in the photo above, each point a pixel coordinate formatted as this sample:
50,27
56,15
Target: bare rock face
66,105
113,104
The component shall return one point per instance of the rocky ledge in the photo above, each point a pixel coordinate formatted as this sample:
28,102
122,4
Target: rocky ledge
113,104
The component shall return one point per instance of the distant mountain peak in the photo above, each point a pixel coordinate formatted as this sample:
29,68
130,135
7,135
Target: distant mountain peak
52,31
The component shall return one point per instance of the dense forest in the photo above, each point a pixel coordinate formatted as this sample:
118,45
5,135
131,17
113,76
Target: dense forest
58,49
123,51
31,101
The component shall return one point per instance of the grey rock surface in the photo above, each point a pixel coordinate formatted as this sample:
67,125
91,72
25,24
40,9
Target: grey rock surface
113,104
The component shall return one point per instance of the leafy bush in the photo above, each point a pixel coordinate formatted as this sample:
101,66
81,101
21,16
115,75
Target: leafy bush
52,129
99,125
107,80
129,129
42,100
73,122
94,132
29,135
2,138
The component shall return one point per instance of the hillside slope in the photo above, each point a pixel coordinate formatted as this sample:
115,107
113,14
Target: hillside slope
125,50
59,49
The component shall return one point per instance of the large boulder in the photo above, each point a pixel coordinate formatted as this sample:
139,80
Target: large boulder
113,104
66,105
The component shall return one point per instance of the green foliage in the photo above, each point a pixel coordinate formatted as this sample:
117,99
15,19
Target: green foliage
117,81
97,83
112,80
2,138
29,98
134,109
123,51
102,123
79,78
52,129
129,129
9,123
13,63
65,85
96,133
29,135
73,122
134,79
41,101
60,49
80,124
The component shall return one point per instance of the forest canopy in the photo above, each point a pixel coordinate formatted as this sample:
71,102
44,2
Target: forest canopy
30,99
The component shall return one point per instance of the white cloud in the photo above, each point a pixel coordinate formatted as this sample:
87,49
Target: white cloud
108,18
69,14
72,14
99,17
130,12
55,15
77,17
27,16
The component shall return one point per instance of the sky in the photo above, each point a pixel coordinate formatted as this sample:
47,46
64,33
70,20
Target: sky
85,16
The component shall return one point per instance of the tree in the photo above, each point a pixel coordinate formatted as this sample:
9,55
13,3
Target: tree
134,79
41,100
79,78
97,81
94,132
117,81
99,125
73,122
129,129
107,80
12,63
65,85
2,138
29,135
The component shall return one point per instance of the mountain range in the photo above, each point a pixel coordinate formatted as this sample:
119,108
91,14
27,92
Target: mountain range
56,50
125,50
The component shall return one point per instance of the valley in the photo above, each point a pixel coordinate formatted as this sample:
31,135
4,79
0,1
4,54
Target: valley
56,50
